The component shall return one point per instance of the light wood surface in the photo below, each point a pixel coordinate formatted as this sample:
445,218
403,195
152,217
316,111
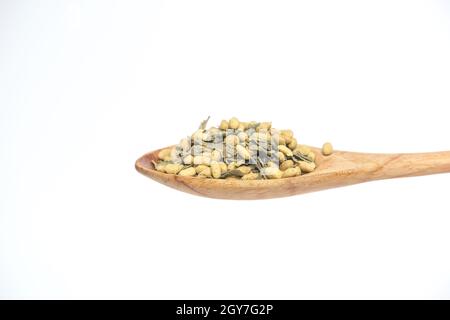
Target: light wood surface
337,170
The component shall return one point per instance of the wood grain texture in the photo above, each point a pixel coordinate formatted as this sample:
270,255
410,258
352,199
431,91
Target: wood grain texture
338,170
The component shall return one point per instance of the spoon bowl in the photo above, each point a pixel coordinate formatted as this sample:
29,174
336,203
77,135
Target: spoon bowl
337,170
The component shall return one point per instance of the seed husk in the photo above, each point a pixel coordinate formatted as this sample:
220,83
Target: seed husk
244,153
189,159
303,149
216,155
232,140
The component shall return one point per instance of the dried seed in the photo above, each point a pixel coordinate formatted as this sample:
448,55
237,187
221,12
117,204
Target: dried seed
291,172
292,144
160,166
250,176
173,168
327,149
188,172
223,125
272,173
281,157
223,167
232,166
200,168
215,170
253,124
244,169
233,123
286,165
307,167
206,172
287,152
287,133
235,149
163,154
264,126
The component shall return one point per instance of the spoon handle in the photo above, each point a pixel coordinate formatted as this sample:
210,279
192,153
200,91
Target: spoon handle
410,164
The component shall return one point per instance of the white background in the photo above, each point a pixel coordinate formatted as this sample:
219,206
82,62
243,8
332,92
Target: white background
86,87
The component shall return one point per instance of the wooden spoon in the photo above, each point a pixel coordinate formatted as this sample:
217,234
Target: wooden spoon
337,170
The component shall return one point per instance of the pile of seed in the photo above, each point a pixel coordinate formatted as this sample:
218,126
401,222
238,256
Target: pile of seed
239,150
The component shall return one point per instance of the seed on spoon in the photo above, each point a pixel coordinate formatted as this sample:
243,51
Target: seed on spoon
187,172
173,168
233,123
327,149
223,125
291,172
163,154
239,150
216,172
